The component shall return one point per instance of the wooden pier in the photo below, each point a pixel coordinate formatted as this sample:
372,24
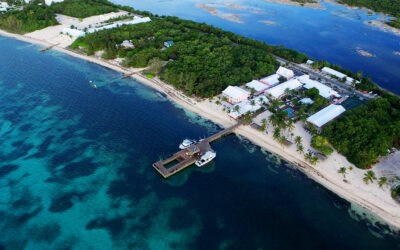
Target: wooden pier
187,157
49,47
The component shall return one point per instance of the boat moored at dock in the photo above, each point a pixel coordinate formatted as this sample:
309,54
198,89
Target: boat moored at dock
206,158
186,143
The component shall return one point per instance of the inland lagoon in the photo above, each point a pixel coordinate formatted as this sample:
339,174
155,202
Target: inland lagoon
333,33
75,172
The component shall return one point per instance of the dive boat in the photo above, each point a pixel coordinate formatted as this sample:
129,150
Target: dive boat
206,158
186,143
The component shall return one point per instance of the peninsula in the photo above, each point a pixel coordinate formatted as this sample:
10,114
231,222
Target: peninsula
288,104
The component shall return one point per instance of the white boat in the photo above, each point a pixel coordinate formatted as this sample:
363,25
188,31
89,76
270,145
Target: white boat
186,143
206,158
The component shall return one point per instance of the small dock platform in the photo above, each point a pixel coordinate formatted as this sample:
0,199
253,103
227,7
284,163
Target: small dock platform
128,75
187,157
49,47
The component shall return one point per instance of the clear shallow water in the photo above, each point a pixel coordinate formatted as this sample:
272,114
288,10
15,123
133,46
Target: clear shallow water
334,34
75,172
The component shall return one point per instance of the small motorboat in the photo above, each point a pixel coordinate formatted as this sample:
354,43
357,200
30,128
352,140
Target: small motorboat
206,158
186,143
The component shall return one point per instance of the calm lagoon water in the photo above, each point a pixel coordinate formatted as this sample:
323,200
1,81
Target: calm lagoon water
75,172
334,34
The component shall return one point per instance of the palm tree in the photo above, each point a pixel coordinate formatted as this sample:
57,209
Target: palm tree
290,125
314,160
308,156
298,140
277,133
342,171
382,181
369,177
300,148
236,108
253,103
282,140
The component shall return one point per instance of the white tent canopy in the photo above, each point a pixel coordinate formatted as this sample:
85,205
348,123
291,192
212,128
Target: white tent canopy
326,115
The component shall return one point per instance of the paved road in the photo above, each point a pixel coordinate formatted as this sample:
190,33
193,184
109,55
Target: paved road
343,87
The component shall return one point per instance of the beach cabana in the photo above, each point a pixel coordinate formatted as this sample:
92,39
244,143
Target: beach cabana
324,116
235,94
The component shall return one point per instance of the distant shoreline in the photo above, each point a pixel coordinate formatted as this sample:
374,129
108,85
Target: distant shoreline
325,173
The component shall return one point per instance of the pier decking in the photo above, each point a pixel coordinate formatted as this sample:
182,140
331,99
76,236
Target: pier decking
188,156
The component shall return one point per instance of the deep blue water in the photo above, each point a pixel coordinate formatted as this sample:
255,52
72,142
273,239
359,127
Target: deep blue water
75,172
334,34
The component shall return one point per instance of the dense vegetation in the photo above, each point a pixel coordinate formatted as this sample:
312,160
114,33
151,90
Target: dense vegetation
391,7
31,18
321,144
83,8
368,132
203,61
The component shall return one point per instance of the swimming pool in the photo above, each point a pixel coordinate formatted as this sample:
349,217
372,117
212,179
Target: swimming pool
290,112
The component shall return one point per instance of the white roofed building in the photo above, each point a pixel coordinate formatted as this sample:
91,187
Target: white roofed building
258,86
235,94
49,2
244,107
271,80
287,73
279,90
324,90
324,116
333,72
127,44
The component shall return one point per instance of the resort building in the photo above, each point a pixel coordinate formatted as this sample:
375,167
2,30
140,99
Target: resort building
279,90
72,32
243,108
333,72
49,2
136,20
324,90
168,44
235,94
257,86
324,116
287,73
3,6
310,62
271,80
127,44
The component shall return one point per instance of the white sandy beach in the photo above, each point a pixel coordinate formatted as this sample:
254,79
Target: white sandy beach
371,196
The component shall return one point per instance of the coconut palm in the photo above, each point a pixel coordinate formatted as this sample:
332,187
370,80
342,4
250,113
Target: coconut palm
236,108
308,156
282,140
277,133
298,140
290,125
253,103
300,148
369,177
314,160
342,171
382,181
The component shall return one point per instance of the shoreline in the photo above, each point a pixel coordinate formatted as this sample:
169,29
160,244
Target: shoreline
369,197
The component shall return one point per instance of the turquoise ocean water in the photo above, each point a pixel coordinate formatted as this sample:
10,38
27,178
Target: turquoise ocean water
75,172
